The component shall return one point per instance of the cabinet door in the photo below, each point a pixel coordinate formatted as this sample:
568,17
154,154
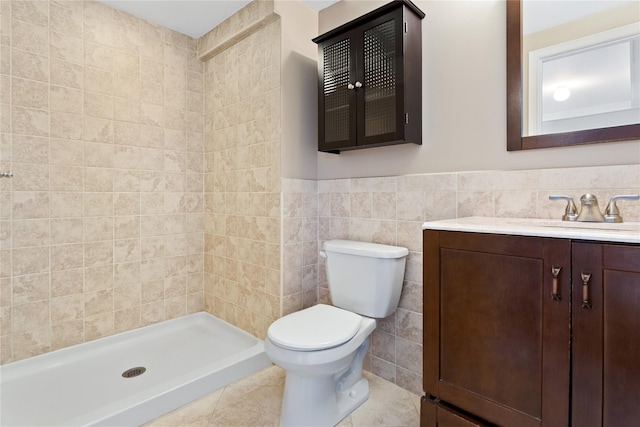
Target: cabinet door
337,103
606,335
496,340
380,72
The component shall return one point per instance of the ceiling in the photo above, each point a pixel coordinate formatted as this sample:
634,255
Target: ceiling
191,17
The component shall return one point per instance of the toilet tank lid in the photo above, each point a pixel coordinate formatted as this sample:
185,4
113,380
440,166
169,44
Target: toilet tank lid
365,249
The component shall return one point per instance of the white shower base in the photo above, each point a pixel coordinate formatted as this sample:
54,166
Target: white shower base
185,358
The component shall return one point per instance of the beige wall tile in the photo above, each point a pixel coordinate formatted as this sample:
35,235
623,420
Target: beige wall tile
29,121
66,204
98,55
127,32
66,100
63,73
32,288
66,126
30,149
97,80
30,37
66,230
27,93
152,41
97,105
34,12
66,17
66,282
65,47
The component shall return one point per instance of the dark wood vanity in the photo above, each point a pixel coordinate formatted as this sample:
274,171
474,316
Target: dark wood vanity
521,330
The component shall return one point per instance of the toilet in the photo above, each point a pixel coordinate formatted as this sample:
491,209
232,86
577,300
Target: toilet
322,348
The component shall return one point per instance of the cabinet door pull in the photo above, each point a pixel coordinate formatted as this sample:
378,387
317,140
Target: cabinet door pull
585,276
350,86
555,271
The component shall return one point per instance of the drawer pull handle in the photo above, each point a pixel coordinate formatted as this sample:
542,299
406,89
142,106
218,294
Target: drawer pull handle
585,276
555,271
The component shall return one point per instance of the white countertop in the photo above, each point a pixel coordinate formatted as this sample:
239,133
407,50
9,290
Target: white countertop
626,232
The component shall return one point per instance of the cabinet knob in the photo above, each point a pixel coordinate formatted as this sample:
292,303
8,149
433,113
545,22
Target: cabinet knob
358,84
350,86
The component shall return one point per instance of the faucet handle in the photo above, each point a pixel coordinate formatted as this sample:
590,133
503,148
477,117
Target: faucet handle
611,213
570,212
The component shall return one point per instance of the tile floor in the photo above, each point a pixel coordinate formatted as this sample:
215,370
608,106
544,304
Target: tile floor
255,401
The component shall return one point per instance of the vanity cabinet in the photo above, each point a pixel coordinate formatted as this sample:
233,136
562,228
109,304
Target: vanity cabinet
530,331
370,80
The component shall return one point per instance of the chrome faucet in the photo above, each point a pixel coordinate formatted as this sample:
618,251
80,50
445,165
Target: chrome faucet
589,210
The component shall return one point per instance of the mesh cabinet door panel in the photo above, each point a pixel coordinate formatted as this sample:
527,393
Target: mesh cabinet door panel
380,79
336,68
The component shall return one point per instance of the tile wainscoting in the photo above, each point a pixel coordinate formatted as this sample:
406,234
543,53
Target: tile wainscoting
391,210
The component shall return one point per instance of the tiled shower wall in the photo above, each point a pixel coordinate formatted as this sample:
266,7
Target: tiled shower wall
391,210
242,186
101,226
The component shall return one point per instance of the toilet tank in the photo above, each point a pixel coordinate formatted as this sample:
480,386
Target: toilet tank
365,278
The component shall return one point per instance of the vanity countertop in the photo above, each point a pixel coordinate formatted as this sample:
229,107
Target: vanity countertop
626,232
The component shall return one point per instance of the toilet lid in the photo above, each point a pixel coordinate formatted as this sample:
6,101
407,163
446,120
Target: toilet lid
315,328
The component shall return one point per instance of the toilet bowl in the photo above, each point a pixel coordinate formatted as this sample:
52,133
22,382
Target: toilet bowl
322,348
325,384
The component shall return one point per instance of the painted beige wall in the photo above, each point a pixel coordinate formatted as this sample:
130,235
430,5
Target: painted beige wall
299,89
464,101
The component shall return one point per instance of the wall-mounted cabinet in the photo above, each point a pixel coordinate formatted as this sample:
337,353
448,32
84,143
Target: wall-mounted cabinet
370,80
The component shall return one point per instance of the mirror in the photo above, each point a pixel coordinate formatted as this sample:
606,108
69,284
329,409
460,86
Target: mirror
536,70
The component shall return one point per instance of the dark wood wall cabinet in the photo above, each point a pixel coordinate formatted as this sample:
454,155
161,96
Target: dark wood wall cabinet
530,331
370,80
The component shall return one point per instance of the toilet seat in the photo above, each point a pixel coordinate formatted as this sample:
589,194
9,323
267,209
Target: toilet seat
315,328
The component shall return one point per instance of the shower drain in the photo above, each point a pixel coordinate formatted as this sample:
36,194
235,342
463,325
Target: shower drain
134,372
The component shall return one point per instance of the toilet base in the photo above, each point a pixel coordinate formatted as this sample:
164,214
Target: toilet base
326,399
316,402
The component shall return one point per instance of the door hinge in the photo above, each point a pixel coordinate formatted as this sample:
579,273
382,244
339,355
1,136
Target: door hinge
406,117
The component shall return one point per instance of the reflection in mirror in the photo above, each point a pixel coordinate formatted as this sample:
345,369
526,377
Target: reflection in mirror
572,72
